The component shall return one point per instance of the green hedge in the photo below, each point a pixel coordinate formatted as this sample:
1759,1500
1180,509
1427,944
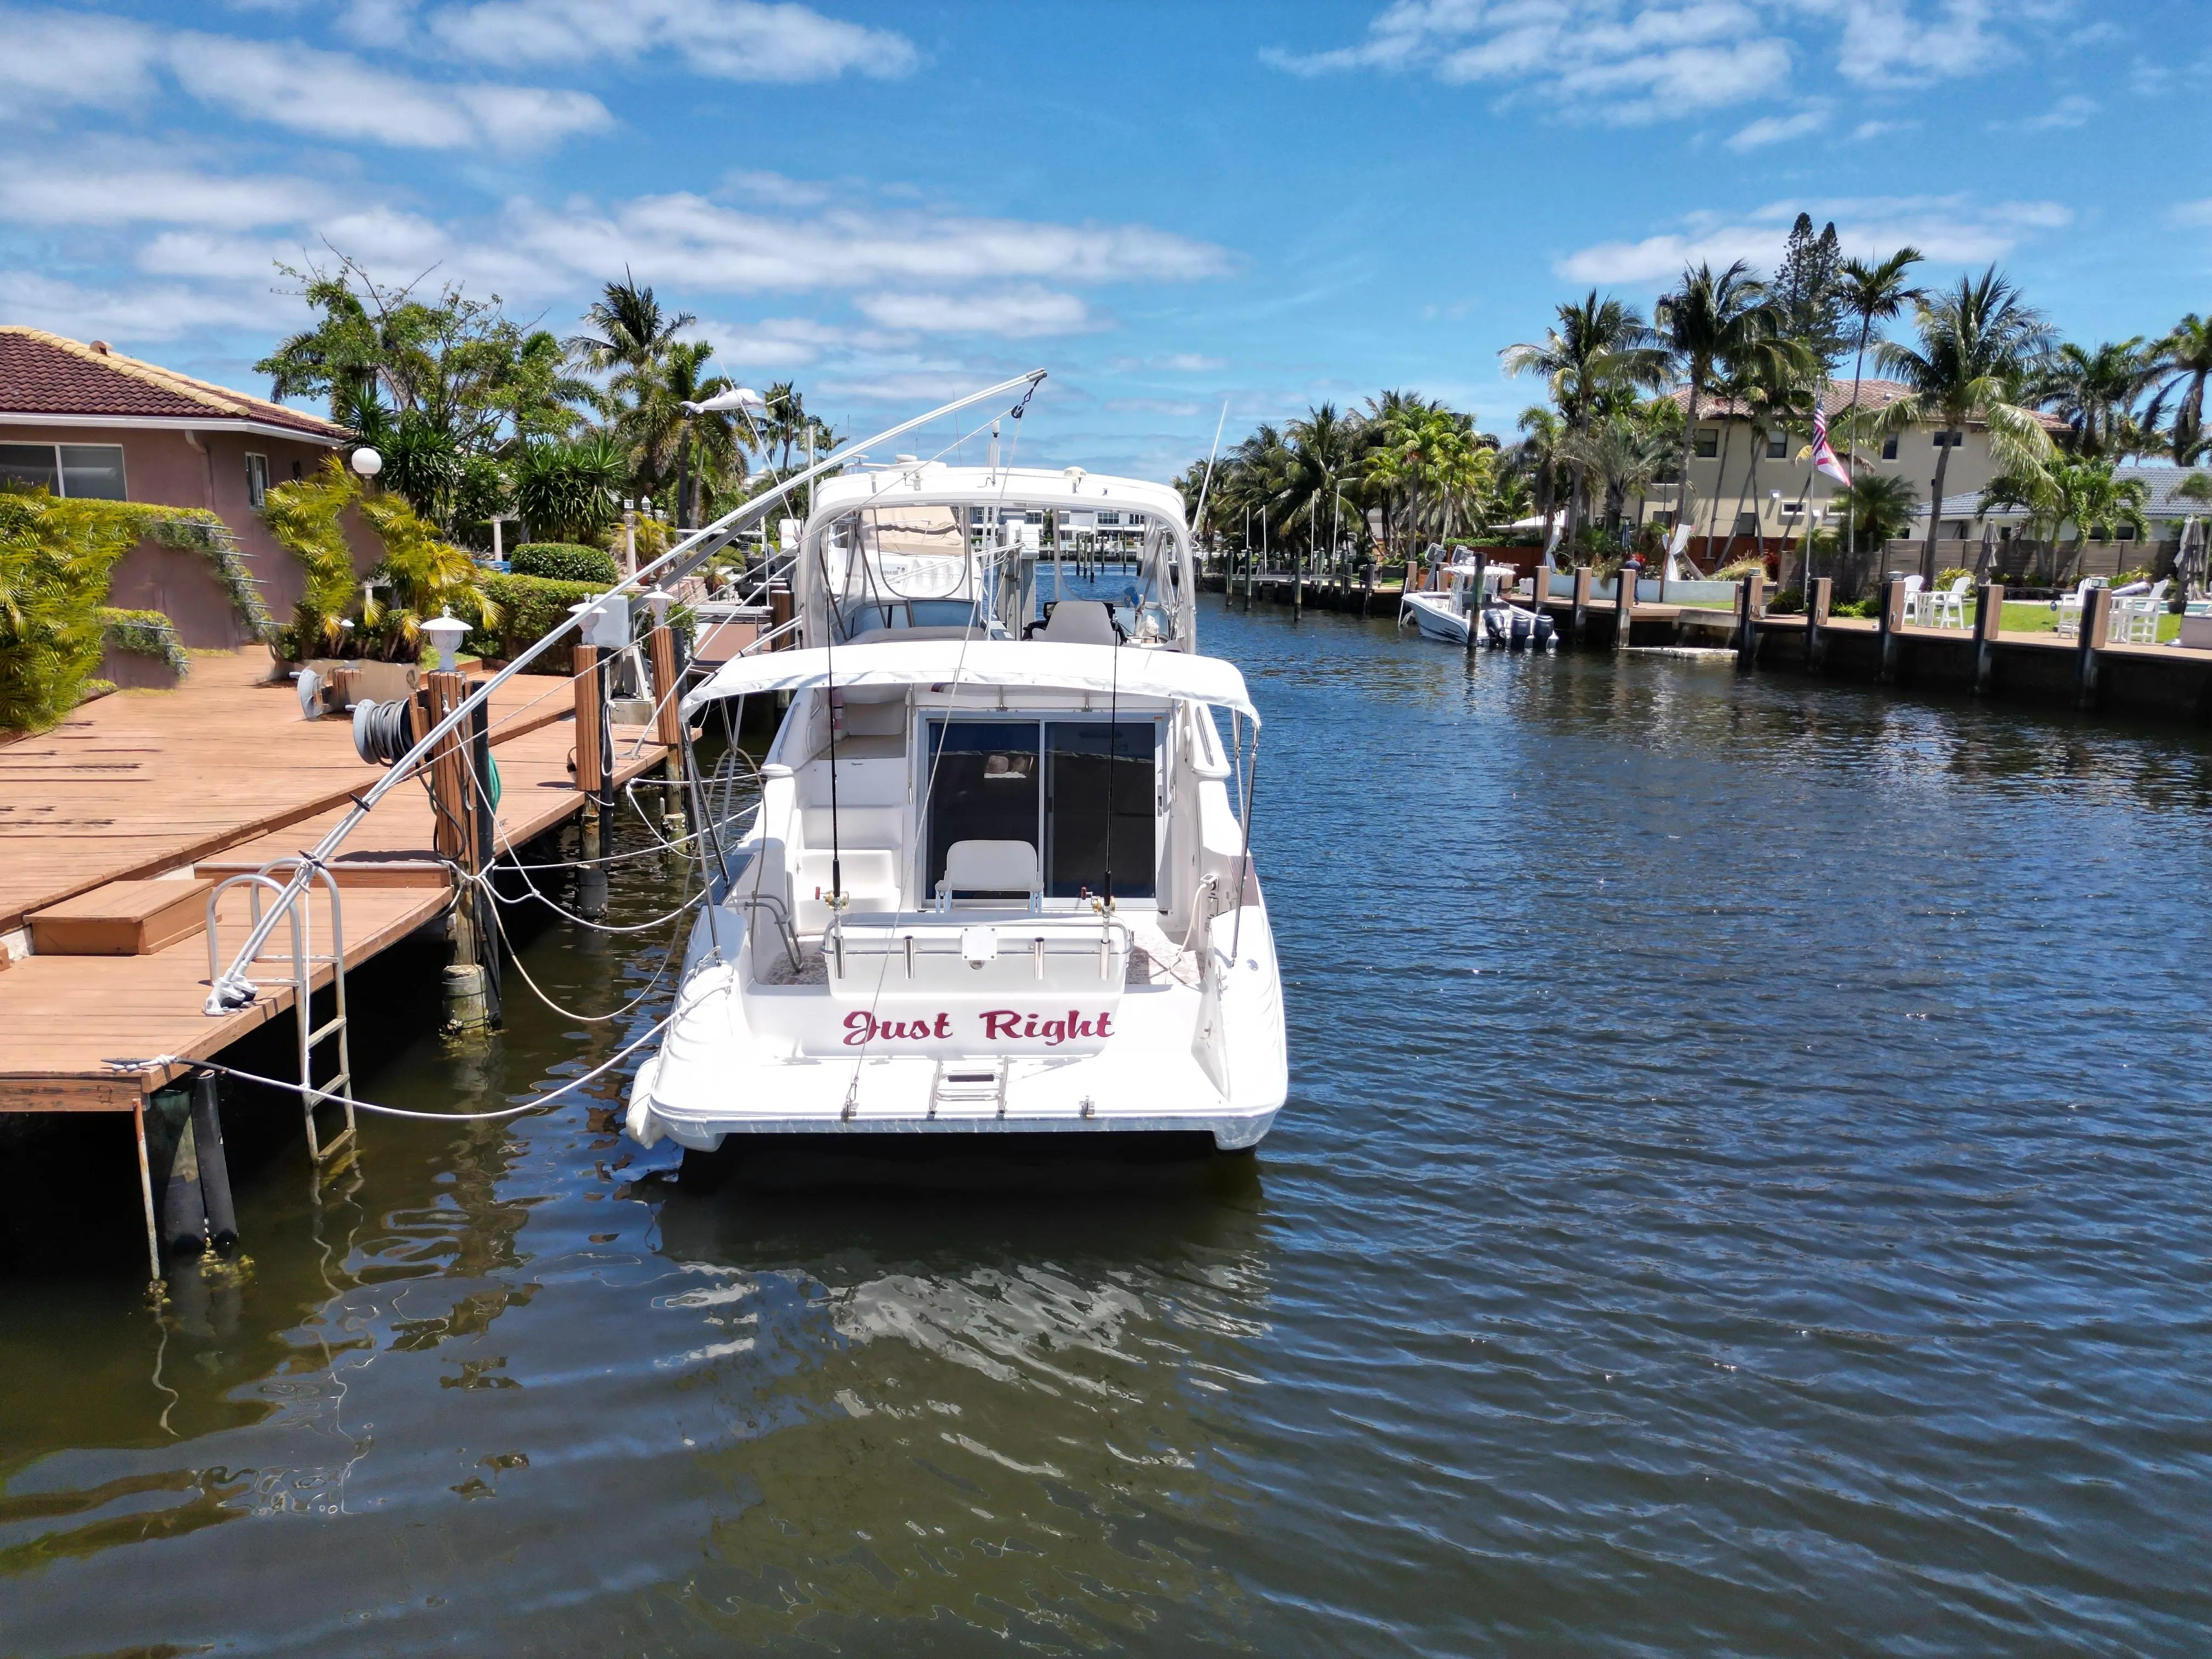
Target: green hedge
531,607
145,633
564,562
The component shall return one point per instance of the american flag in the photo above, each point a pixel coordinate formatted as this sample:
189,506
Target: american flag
1824,454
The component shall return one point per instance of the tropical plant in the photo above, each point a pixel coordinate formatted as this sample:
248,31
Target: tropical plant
1537,458
1870,294
2082,492
1875,509
570,491
2184,361
629,329
426,576
668,440
304,517
55,559
2095,391
1600,347
1626,449
1976,344
1708,321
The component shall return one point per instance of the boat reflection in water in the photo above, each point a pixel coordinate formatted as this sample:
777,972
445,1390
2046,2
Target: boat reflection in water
1009,1414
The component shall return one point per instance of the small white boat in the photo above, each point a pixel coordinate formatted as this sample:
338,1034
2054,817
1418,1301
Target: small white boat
1448,610
996,880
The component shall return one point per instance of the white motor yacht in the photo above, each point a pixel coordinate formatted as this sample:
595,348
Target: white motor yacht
996,879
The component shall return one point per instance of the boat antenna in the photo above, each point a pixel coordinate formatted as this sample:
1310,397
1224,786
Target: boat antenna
829,708
1113,750
1198,523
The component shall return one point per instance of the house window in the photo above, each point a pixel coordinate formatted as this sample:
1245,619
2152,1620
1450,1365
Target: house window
85,472
29,464
1778,446
256,480
1707,443
1108,520
1951,440
1747,524
1889,447
2126,532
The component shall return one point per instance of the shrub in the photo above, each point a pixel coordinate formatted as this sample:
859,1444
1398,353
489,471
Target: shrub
1738,570
1950,573
55,560
145,633
564,562
530,607
1789,602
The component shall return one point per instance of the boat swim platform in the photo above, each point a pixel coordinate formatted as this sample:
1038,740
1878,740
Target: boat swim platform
220,776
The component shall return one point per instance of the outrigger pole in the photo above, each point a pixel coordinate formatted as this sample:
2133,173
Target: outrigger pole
234,989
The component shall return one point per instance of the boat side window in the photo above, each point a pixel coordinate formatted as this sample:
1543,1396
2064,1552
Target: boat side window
1099,783
984,785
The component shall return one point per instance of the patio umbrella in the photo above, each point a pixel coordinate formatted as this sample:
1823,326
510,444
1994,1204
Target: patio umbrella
2190,565
1989,552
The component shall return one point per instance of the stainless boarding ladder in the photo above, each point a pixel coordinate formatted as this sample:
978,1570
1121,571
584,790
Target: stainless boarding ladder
339,1085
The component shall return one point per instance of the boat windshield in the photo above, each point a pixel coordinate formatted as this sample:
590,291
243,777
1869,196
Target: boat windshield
901,614
1072,787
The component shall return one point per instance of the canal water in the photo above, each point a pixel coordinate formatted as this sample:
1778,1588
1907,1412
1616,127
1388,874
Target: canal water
1743,1191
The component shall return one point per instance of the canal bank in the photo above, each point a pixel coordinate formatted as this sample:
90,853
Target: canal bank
2088,669
1762,1212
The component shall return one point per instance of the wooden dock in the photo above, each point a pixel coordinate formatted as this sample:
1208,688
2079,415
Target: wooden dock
219,777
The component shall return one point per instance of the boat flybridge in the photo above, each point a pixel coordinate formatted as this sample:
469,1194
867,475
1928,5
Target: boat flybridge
996,879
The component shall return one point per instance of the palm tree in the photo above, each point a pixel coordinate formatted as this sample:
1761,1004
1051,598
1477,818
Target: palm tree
1977,344
1600,344
1626,449
2081,491
2095,392
630,328
2184,357
1872,294
1708,321
664,438
1538,457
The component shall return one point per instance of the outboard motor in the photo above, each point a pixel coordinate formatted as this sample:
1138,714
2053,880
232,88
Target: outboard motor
1519,631
1546,634
1493,632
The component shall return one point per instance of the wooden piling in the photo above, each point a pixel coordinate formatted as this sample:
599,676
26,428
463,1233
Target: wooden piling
778,612
1367,588
668,722
1819,593
1475,601
1582,599
1750,607
1988,623
1624,606
591,760
1893,619
1298,586
2089,648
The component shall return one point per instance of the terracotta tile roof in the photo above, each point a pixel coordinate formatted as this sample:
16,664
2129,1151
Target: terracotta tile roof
1873,394
42,374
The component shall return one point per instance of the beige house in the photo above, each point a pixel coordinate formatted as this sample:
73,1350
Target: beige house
1747,482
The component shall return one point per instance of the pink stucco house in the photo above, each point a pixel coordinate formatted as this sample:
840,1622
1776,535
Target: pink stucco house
85,420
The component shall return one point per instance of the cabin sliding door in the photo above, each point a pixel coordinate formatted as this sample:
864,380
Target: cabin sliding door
1099,786
984,787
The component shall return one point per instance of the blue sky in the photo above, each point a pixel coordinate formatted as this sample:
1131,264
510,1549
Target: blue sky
1165,205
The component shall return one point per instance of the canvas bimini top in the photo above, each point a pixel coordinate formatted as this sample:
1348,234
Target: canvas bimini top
1129,670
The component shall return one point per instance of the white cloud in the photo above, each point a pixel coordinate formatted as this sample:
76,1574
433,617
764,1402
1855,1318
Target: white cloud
1906,43
1949,229
1658,59
55,58
775,190
732,39
1630,60
1015,314
1780,128
686,240
2190,213
2071,111
1155,406
336,95
143,311
1192,362
1866,130
66,193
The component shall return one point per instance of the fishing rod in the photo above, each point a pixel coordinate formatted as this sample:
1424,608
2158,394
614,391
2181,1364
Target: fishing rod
232,989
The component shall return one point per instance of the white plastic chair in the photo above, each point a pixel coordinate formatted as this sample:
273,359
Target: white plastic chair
989,869
1948,605
1915,614
2070,607
2135,616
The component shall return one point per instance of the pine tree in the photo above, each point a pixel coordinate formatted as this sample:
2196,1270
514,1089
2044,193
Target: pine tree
1808,289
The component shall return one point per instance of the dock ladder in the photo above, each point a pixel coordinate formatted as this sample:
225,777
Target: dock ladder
337,1088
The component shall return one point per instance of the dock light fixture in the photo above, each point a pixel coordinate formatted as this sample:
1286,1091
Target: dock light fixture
446,634
604,621
658,601
367,462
